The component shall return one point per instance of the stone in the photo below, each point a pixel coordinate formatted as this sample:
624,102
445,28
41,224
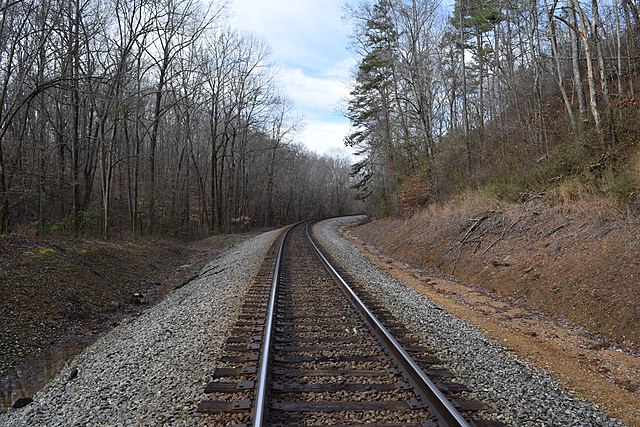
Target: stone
22,402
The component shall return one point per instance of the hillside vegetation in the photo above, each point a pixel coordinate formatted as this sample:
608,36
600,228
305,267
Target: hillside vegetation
518,101
503,139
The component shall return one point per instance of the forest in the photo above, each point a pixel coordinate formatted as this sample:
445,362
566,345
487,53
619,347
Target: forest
137,117
517,100
141,117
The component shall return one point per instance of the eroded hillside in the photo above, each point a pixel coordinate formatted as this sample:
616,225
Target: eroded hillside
578,261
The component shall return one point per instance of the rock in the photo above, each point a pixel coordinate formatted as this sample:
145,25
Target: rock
504,263
22,402
138,298
74,374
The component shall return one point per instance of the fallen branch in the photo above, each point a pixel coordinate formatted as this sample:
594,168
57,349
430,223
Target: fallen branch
555,230
503,235
463,241
475,225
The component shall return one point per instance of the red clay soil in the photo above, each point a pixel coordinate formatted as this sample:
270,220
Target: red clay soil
578,262
558,285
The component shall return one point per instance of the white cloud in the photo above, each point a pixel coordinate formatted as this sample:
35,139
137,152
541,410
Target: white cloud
343,69
309,31
318,99
309,43
325,137
313,94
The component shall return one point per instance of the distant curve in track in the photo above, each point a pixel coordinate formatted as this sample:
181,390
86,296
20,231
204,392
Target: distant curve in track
307,350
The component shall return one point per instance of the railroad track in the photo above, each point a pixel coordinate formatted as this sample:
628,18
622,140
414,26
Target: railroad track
306,350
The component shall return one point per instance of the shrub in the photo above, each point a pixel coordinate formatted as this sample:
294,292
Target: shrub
85,218
39,252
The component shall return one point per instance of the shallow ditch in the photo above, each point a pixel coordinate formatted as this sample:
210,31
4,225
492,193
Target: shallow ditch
25,378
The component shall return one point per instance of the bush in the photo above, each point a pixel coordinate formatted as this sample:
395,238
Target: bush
566,160
85,219
414,191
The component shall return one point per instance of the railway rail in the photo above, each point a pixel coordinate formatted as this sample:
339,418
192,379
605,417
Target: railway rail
309,349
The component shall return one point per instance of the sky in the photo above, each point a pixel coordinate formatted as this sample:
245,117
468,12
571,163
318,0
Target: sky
309,43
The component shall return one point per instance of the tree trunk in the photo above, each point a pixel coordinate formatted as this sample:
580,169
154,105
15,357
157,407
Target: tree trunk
75,136
632,37
153,142
4,212
575,60
619,72
593,101
556,59
465,108
480,41
604,85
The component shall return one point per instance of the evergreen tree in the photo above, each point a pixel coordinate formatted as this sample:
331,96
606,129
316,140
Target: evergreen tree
370,106
473,20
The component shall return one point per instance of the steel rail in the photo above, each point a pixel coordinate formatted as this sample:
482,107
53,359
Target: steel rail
437,403
259,413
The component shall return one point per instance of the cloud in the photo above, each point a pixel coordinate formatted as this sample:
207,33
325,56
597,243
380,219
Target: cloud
313,94
343,69
318,100
301,32
325,137
309,41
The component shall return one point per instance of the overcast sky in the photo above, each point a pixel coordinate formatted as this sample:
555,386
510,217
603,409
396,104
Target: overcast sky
309,40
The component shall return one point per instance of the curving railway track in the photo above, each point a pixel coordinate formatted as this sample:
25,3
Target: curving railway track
308,349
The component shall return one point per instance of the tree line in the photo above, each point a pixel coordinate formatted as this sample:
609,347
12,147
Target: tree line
510,95
148,116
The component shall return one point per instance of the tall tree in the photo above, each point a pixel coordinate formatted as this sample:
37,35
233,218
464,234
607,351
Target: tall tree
371,105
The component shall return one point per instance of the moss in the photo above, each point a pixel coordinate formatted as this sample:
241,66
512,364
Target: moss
40,252
623,186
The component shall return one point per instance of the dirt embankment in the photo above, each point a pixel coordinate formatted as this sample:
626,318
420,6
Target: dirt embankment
581,262
519,272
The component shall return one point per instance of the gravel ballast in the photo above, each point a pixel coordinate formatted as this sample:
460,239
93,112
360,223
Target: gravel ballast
152,369
520,394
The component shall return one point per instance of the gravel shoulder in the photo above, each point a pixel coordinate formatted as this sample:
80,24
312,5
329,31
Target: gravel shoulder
521,394
152,369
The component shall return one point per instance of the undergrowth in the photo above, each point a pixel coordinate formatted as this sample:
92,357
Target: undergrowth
568,174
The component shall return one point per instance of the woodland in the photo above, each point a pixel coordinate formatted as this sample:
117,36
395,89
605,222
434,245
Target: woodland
521,101
139,117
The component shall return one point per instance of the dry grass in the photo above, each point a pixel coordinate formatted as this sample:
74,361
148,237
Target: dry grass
464,202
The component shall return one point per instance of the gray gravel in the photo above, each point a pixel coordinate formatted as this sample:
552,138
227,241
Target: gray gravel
521,395
152,369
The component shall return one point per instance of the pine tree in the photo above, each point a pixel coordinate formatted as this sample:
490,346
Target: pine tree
370,106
